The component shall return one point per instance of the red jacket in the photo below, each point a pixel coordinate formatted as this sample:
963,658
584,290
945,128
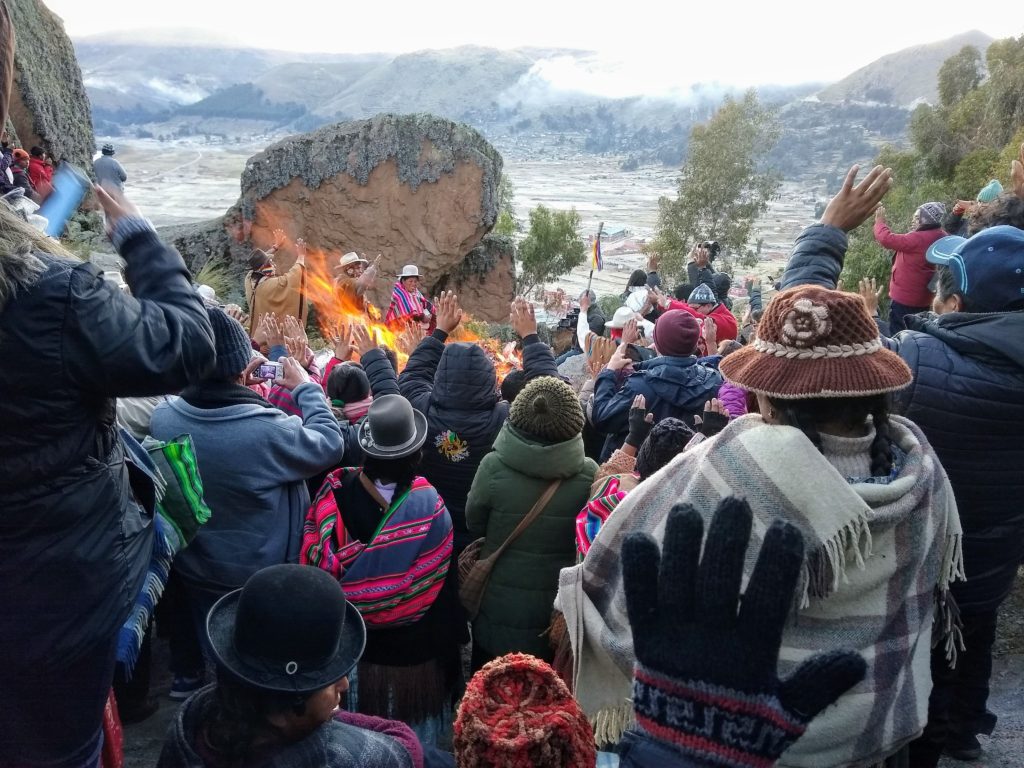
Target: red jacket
39,172
726,327
911,272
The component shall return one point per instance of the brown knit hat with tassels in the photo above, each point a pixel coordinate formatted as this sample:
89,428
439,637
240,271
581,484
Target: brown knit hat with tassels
813,342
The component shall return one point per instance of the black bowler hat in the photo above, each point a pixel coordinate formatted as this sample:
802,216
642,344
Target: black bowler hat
289,629
393,429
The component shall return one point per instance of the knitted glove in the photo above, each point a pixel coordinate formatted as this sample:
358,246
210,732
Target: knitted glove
712,423
705,679
640,426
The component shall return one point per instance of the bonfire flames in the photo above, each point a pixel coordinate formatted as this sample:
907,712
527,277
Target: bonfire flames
335,312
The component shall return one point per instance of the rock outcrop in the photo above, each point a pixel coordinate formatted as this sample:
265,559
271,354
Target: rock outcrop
49,106
416,189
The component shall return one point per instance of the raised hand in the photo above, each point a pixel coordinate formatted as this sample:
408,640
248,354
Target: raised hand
618,360
115,206
362,338
1017,174
449,313
342,341
275,333
640,422
871,293
630,332
279,239
235,311
715,418
853,204
523,319
294,329
710,333
410,338
584,302
692,633
262,333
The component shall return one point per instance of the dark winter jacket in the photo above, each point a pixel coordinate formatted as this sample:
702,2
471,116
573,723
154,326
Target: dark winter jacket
968,397
335,744
696,275
672,386
73,541
455,386
516,608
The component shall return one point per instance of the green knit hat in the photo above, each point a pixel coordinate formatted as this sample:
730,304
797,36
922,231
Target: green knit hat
548,410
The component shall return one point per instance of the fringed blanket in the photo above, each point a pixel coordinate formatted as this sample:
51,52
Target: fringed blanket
879,556
395,577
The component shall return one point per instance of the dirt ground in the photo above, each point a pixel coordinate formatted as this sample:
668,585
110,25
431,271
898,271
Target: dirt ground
1004,749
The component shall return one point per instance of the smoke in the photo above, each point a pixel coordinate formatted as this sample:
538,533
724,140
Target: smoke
566,79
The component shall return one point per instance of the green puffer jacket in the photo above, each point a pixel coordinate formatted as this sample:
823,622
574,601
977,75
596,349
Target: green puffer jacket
516,608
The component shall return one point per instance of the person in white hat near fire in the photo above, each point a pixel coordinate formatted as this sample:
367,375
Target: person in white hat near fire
407,303
352,278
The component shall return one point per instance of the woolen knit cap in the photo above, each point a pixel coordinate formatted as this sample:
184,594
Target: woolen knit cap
676,333
990,191
930,214
547,409
517,713
234,349
666,440
702,294
813,342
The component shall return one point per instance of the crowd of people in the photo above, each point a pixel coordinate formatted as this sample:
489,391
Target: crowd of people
690,539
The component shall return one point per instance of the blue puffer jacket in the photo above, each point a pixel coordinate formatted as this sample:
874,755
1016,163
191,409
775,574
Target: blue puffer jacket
672,386
968,397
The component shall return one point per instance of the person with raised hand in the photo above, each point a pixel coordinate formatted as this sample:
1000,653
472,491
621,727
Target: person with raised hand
254,459
968,352
876,510
76,526
269,290
455,385
706,690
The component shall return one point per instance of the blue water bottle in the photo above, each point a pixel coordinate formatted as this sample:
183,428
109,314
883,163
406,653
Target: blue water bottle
70,185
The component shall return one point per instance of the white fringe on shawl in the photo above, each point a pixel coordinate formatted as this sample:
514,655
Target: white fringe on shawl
782,474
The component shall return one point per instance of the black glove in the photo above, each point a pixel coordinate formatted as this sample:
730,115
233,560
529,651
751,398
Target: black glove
640,425
712,423
705,678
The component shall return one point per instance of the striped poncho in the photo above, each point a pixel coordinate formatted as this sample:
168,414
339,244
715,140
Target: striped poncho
395,577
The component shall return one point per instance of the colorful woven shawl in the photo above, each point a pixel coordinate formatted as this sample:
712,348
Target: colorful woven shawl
395,578
405,305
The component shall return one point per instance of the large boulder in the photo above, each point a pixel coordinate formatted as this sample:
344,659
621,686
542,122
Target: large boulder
416,189
49,106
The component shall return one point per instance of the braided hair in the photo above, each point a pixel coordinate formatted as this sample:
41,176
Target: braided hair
851,412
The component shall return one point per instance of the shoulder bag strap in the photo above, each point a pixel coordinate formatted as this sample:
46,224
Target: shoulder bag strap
525,523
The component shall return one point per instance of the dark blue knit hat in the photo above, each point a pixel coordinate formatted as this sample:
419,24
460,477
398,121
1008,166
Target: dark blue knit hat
234,349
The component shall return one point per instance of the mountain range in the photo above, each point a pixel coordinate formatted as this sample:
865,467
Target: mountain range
156,88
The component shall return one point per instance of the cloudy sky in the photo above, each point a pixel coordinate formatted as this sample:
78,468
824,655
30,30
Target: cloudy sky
665,42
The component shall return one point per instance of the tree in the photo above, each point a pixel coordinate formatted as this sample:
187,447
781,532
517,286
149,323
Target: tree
723,186
553,247
507,223
959,75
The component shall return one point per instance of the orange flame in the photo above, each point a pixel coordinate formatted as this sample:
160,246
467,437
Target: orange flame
335,310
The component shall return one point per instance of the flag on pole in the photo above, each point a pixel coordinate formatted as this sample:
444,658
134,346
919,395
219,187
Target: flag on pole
596,261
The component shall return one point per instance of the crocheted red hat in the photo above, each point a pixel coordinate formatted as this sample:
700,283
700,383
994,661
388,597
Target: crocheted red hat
518,712
813,342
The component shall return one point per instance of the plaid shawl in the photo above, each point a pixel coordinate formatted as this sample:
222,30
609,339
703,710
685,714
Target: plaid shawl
879,556
395,578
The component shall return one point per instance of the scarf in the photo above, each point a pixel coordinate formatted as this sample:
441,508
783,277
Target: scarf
880,557
352,412
209,395
395,577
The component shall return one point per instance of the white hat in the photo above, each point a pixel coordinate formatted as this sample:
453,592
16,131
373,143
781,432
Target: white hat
622,316
207,293
409,270
351,258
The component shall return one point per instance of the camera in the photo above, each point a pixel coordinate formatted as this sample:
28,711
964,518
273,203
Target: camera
269,371
712,247
570,320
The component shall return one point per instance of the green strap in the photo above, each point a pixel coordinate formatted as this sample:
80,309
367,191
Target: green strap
395,504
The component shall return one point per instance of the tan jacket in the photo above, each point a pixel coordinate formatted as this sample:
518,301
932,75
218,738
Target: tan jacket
281,294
